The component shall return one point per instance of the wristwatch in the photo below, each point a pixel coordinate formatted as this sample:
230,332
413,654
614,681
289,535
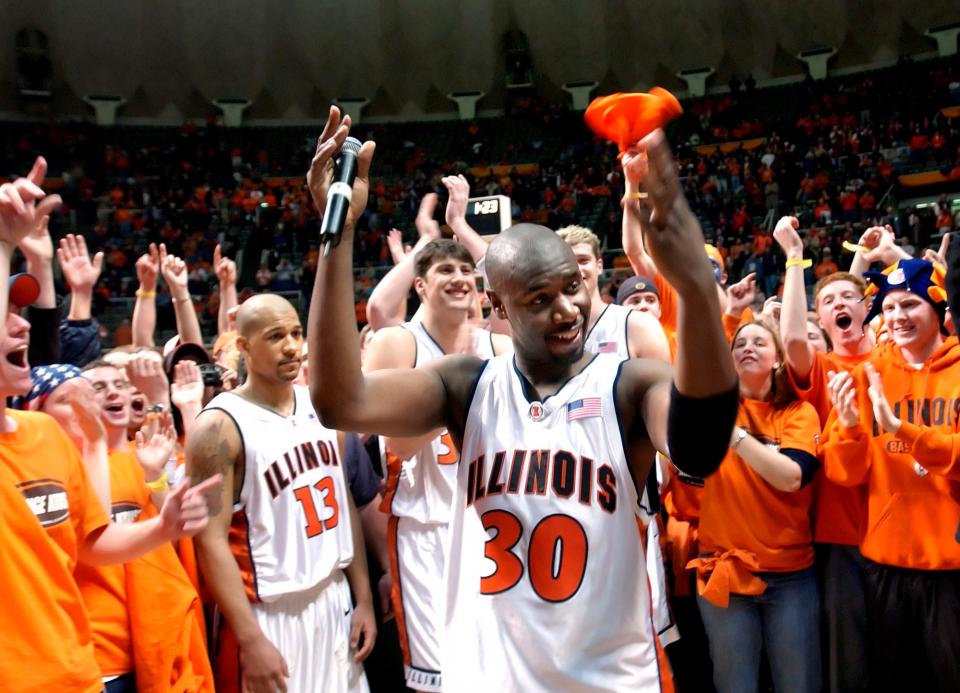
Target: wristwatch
157,409
738,436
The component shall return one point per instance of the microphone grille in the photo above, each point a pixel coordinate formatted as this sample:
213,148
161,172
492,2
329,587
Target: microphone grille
352,145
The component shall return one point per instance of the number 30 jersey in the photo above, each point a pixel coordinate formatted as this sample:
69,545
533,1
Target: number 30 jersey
546,580
291,528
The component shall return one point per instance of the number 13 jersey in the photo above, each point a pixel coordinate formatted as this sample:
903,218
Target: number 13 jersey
546,581
291,529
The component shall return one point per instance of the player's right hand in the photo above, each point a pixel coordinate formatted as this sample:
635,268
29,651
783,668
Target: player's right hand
263,667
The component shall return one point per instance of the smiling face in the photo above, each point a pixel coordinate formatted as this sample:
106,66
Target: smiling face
14,367
589,264
450,283
547,304
755,353
912,322
112,393
841,310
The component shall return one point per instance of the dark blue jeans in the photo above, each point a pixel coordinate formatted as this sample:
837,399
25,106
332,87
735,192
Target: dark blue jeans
122,684
784,622
845,612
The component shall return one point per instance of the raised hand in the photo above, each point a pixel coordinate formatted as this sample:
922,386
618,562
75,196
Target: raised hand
146,374
395,244
458,190
672,234
771,310
320,175
23,204
37,247
785,234
742,294
939,257
224,267
186,391
80,272
881,407
155,443
174,272
81,398
879,242
148,268
843,397
426,224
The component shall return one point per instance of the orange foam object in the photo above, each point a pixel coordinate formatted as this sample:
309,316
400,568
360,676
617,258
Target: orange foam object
628,118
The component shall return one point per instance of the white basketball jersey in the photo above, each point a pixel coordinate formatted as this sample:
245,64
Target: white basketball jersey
546,578
291,529
422,487
609,334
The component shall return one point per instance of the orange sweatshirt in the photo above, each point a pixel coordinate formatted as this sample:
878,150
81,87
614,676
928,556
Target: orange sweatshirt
837,510
913,476
747,525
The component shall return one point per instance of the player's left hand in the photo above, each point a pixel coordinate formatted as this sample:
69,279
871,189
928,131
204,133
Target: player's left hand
185,511
363,627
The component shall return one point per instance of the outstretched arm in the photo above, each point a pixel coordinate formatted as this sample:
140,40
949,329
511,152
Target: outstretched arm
404,402
174,271
81,273
793,312
631,229
704,388
226,270
387,305
145,309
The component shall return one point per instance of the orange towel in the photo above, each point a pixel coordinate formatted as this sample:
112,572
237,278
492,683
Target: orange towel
628,118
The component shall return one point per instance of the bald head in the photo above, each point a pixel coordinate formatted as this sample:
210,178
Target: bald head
522,251
260,310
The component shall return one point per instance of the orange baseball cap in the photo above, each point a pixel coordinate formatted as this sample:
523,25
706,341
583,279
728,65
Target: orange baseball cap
714,254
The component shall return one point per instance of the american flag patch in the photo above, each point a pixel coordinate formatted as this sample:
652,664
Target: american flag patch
584,408
606,347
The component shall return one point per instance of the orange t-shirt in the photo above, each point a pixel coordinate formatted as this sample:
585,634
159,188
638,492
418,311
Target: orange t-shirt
912,516
837,511
104,587
47,634
741,511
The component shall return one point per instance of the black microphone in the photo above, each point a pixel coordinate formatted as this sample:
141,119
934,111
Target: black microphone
338,197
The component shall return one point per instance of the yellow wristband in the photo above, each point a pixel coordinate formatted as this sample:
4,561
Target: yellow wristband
853,247
793,262
146,294
161,484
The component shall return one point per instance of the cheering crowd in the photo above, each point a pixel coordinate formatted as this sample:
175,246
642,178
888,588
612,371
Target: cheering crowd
700,485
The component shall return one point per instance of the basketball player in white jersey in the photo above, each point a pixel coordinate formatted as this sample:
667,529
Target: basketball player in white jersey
545,576
619,330
612,329
286,530
422,471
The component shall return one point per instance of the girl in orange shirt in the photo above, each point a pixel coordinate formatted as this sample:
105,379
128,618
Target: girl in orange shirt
757,587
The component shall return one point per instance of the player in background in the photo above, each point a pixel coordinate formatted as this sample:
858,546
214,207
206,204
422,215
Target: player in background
284,538
533,629
422,471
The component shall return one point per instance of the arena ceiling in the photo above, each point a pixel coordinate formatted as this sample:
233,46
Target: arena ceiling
291,58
